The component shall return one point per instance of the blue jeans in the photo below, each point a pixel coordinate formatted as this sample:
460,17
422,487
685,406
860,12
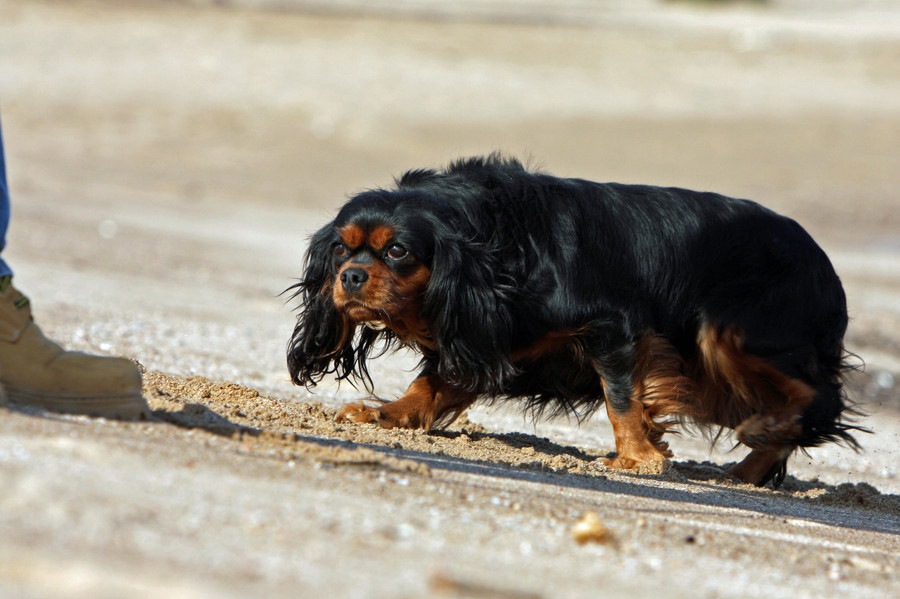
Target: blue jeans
4,209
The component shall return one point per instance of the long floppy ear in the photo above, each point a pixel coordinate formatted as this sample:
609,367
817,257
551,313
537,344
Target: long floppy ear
322,341
469,311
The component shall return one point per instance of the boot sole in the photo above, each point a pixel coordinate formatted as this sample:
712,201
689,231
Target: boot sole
119,407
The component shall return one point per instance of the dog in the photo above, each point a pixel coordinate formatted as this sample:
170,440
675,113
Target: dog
671,306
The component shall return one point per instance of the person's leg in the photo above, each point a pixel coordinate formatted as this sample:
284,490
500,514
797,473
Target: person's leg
35,371
5,270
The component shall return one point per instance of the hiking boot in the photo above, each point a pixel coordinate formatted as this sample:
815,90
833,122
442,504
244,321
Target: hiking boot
37,372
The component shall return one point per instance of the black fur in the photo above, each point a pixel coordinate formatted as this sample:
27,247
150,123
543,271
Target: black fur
515,255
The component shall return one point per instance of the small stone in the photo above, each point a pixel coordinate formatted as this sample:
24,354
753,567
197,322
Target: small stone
591,530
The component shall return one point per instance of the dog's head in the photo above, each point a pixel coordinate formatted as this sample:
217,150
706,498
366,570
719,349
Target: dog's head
403,266
381,257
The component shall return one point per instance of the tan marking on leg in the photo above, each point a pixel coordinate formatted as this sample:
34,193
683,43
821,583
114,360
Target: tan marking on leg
661,390
427,402
662,387
735,385
749,394
633,445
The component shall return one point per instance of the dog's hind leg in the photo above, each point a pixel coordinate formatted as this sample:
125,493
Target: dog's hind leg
811,417
762,465
749,393
772,438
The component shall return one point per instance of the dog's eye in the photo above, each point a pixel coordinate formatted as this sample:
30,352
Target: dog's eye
340,250
396,252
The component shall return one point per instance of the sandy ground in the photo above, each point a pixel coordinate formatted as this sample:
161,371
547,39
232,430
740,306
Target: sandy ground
168,160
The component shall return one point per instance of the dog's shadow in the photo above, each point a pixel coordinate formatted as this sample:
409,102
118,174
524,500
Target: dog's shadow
518,441
813,500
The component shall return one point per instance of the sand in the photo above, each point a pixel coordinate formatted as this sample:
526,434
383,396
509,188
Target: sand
168,162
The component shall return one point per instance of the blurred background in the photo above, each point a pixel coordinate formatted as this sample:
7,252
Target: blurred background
793,102
168,159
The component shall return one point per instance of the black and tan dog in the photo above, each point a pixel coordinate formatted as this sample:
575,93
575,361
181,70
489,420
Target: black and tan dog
669,305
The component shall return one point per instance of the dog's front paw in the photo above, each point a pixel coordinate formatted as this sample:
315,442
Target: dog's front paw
619,463
360,413
652,465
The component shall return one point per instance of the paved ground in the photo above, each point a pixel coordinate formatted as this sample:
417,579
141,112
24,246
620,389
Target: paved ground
168,161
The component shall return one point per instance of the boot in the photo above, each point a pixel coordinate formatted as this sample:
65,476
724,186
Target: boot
37,372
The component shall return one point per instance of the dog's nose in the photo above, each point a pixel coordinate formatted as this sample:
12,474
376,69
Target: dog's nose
353,278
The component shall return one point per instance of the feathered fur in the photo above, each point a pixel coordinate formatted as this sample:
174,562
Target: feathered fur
664,302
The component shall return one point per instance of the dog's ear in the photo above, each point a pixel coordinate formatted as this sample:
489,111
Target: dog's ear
469,312
322,341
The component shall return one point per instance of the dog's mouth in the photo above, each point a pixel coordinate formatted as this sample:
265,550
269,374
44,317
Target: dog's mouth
365,315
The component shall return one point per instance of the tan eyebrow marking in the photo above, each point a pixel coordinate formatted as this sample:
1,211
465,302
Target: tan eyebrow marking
380,236
353,236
